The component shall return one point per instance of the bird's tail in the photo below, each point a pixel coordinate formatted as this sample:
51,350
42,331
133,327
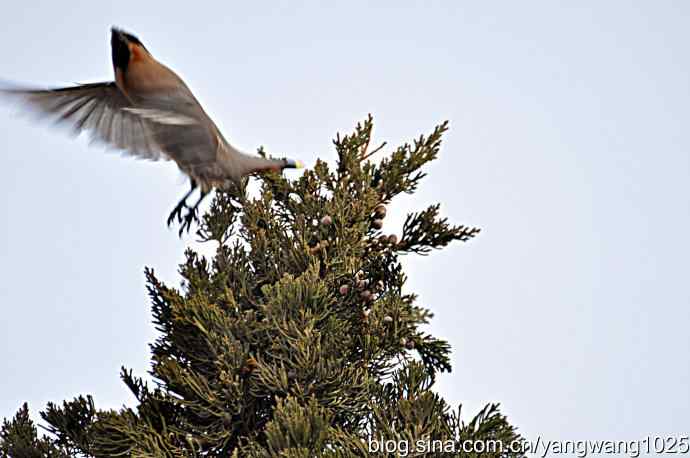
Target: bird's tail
293,164
238,164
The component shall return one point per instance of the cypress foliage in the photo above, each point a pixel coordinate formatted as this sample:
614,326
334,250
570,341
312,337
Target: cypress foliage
297,339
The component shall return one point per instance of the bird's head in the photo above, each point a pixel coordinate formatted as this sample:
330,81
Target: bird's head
126,48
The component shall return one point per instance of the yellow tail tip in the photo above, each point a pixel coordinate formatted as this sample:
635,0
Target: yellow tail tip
294,164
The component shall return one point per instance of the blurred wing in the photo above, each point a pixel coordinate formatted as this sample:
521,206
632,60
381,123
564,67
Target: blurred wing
99,109
180,127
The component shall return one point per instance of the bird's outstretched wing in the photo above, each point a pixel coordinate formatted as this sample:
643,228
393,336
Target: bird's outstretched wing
180,127
99,109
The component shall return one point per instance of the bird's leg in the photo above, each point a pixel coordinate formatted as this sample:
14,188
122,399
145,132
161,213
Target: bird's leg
191,215
177,211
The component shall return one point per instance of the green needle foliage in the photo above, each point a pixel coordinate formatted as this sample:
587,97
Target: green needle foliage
297,339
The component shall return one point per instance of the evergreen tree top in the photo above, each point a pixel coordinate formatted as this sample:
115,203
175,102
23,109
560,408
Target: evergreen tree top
298,337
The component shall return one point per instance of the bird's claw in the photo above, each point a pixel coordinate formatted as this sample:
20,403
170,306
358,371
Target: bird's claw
185,219
189,218
177,213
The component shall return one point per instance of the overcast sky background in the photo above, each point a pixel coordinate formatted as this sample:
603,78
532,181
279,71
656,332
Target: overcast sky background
569,146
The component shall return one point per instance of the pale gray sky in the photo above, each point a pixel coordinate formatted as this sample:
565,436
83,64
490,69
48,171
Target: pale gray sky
569,146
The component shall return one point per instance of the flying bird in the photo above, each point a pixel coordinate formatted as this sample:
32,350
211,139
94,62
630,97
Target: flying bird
149,112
